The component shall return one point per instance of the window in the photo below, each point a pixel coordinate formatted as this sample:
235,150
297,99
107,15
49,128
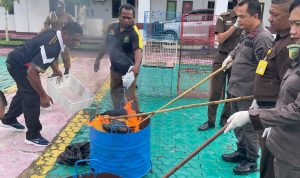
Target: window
211,5
171,10
187,6
90,12
11,11
115,8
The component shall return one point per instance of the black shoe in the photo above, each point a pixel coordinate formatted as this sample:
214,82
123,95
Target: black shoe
246,167
15,126
40,141
235,157
205,126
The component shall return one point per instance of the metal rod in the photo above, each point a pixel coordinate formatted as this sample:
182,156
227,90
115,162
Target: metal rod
194,153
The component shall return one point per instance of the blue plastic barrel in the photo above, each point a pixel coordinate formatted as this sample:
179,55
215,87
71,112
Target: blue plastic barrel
125,155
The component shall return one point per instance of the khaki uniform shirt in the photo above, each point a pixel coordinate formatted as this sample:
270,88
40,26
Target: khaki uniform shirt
283,141
251,48
266,87
224,22
57,22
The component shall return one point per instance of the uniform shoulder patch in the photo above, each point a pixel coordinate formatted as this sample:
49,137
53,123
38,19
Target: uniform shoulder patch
221,18
225,13
259,53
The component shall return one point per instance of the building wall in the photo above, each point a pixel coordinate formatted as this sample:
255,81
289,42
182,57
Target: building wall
161,5
10,20
29,16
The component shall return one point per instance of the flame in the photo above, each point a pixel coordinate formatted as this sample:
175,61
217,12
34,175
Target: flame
132,122
98,121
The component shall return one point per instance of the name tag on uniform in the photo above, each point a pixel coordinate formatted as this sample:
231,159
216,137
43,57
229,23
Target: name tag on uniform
261,68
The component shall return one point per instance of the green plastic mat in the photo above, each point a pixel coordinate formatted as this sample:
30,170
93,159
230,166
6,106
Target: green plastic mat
174,135
5,79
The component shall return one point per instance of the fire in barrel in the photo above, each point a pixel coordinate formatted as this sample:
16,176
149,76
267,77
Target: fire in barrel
120,147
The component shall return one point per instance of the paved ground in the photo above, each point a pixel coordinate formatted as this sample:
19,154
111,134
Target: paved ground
15,155
173,134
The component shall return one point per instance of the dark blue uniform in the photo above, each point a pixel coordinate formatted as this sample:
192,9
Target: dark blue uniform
38,52
121,46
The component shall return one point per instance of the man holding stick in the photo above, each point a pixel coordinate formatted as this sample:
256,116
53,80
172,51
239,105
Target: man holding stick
284,119
254,42
267,84
228,32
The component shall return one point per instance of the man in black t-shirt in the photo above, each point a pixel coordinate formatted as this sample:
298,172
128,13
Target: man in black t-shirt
24,64
124,44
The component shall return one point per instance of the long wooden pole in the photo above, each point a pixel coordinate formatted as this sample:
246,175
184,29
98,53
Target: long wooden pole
189,90
194,153
185,107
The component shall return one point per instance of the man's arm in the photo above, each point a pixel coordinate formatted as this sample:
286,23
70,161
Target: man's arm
101,53
103,48
35,81
138,55
225,35
137,46
47,23
55,69
280,116
262,43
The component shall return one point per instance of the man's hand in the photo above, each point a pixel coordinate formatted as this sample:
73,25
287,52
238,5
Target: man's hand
135,70
266,132
227,62
57,73
46,101
238,119
254,105
96,65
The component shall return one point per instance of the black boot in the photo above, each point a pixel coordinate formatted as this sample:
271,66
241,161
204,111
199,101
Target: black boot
206,126
235,157
246,167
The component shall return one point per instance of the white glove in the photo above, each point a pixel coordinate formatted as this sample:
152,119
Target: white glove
128,78
254,105
266,132
236,24
238,119
227,61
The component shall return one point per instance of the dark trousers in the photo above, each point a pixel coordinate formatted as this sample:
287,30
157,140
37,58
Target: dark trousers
26,101
246,135
266,158
285,170
117,91
217,92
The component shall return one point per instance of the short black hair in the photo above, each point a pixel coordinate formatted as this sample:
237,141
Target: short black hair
72,27
284,4
127,7
253,7
295,4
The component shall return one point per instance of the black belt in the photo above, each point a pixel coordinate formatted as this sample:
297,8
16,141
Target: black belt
266,103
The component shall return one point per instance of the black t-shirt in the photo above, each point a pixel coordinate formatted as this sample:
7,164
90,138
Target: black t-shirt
39,52
122,46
